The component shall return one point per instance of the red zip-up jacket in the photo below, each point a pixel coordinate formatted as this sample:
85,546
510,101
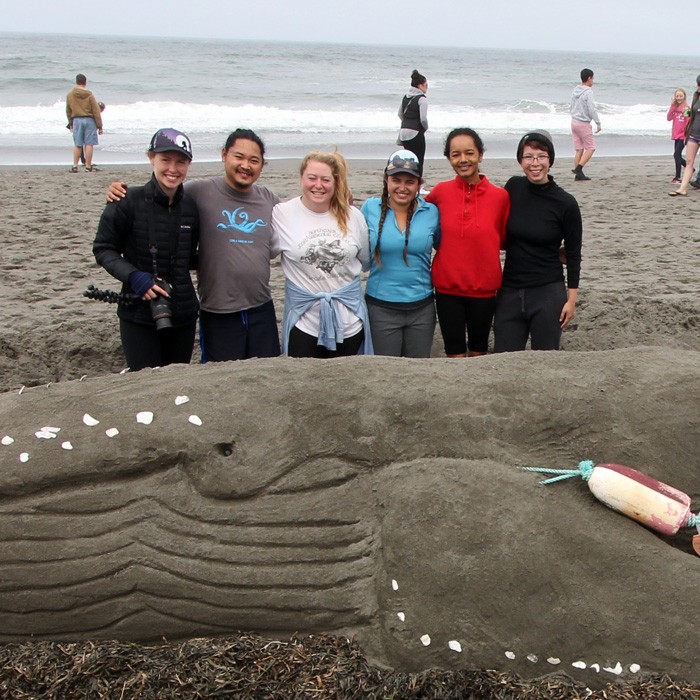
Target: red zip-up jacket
472,234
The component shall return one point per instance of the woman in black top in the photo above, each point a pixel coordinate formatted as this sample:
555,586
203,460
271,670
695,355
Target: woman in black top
534,302
413,114
148,241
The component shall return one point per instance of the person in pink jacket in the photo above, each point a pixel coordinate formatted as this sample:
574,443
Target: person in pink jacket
679,114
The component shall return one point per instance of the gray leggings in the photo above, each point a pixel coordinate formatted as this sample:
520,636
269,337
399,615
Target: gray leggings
531,311
402,333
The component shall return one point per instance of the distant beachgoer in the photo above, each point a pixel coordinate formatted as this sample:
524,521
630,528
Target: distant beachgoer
413,114
692,143
148,241
101,105
237,317
84,120
583,111
467,266
403,229
324,245
533,301
679,114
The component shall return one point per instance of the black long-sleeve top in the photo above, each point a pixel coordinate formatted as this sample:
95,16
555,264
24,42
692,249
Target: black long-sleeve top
541,218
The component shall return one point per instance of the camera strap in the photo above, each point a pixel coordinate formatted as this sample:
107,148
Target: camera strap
149,191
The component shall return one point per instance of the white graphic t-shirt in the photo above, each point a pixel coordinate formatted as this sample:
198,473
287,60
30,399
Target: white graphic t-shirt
318,258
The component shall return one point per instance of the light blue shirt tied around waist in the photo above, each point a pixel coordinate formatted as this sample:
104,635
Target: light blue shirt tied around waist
298,301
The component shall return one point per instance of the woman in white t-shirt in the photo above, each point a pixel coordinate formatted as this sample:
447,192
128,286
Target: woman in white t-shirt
325,246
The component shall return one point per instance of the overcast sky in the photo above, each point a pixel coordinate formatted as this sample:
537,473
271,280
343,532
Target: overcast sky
628,26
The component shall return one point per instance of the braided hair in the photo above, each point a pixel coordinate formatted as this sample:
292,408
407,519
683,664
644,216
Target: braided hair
384,209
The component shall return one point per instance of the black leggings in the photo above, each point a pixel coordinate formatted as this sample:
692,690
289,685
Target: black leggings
305,345
145,346
457,314
416,145
678,146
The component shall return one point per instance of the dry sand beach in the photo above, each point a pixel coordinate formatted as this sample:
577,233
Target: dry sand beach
638,288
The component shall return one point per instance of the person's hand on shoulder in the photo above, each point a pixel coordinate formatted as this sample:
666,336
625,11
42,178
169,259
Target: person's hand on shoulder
116,191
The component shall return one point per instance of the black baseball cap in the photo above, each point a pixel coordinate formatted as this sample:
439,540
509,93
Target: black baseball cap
171,140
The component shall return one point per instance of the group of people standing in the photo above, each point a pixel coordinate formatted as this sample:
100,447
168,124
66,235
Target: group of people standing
685,133
229,228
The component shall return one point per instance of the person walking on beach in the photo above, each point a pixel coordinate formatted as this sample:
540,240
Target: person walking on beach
403,229
692,143
679,114
534,302
84,120
237,316
583,111
148,241
413,114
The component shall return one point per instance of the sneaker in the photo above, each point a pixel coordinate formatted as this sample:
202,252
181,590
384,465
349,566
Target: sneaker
581,176
676,180
695,184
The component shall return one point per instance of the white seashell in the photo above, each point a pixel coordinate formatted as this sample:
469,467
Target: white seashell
533,658
425,640
21,389
617,669
66,445
635,668
455,645
7,440
145,417
510,655
179,400
124,371
89,420
401,616
195,420
49,429
595,667
111,432
44,434
394,584
553,660
579,664
83,377
24,457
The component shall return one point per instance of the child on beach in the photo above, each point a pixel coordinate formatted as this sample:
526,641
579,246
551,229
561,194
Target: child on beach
148,241
679,114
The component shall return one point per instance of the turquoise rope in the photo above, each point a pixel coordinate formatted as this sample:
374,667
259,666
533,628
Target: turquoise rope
585,471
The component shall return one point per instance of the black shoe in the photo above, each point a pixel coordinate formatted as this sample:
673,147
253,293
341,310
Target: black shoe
580,176
695,184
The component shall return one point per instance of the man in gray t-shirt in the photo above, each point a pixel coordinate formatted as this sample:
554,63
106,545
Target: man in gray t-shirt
237,316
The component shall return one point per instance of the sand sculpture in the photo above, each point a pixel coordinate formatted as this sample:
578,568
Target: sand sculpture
372,497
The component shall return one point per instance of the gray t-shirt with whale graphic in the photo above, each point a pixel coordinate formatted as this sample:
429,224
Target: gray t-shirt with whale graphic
235,244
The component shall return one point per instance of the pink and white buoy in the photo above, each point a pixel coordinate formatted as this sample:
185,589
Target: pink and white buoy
648,501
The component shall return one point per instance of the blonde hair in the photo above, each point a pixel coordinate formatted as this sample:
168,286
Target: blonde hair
340,201
685,96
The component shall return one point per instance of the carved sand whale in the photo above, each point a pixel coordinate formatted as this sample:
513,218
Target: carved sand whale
373,497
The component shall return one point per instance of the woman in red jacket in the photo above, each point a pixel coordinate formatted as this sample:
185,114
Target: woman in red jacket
467,266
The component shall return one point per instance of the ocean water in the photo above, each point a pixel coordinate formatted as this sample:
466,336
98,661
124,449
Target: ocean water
303,96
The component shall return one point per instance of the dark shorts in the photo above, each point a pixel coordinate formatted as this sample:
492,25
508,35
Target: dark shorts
239,335
465,322
532,312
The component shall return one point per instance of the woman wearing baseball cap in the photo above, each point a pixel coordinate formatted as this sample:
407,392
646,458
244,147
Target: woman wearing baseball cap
148,241
402,233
